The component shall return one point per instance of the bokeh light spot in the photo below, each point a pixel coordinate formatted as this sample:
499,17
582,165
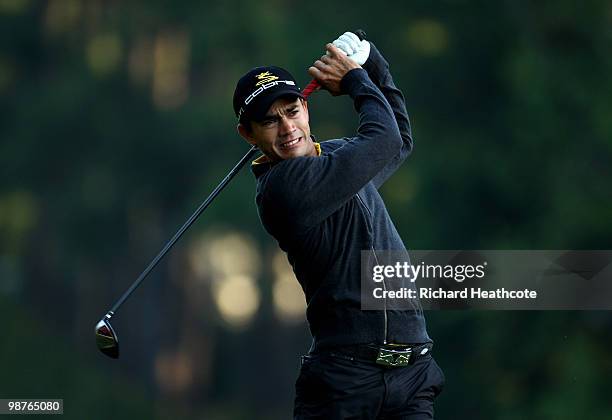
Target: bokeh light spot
288,297
237,299
427,37
104,54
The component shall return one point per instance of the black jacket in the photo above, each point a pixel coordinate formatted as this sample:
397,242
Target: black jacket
325,210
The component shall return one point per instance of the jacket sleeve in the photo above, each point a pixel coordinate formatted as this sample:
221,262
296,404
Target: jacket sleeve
306,190
378,70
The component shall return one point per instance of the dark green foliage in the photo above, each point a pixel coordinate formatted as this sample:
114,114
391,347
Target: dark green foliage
512,122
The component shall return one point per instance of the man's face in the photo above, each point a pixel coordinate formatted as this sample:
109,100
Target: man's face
284,132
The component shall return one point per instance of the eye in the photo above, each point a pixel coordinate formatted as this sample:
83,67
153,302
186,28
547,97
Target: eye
293,112
268,122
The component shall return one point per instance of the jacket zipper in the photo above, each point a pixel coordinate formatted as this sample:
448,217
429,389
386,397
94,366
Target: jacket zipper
376,258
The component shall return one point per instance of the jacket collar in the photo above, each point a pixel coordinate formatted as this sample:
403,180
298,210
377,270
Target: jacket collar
262,164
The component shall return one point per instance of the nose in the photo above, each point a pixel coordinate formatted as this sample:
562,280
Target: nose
286,126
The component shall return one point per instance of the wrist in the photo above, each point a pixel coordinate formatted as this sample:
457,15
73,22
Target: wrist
376,65
352,79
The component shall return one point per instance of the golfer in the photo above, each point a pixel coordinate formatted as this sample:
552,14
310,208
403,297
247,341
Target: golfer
320,201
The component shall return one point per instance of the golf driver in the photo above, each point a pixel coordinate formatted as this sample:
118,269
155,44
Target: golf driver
106,338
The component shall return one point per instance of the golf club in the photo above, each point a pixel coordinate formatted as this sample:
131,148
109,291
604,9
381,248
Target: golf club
106,337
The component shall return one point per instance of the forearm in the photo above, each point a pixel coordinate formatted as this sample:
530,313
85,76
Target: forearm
378,70
376,115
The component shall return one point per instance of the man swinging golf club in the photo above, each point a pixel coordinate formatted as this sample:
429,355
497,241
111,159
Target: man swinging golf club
320,201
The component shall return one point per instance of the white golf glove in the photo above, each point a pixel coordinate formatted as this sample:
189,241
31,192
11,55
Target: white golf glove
356,49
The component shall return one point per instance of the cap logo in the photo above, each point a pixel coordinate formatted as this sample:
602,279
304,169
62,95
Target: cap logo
265,77
262,88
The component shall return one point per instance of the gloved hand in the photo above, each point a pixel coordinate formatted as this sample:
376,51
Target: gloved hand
356,49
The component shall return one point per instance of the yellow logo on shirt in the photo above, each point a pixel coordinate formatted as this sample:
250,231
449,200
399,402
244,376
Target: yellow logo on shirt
265,77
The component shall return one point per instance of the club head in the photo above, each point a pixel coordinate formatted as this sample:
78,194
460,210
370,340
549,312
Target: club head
106,339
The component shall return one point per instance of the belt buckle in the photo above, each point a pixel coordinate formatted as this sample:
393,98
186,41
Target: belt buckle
393,358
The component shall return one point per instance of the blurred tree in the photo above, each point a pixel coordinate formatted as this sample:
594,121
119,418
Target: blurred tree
116,121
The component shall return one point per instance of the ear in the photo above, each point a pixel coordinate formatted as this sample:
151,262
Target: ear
245,134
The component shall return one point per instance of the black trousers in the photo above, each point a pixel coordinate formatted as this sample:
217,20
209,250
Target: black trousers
332,386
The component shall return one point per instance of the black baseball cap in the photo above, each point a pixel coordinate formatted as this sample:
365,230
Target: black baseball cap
259,88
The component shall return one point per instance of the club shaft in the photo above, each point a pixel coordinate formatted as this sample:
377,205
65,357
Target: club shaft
183,228
311,87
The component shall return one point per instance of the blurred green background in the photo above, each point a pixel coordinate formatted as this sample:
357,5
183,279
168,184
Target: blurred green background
116,121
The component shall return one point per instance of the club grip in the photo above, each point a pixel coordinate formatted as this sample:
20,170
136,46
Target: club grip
310,87
314,85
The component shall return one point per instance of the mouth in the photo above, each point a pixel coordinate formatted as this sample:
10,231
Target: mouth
289,144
